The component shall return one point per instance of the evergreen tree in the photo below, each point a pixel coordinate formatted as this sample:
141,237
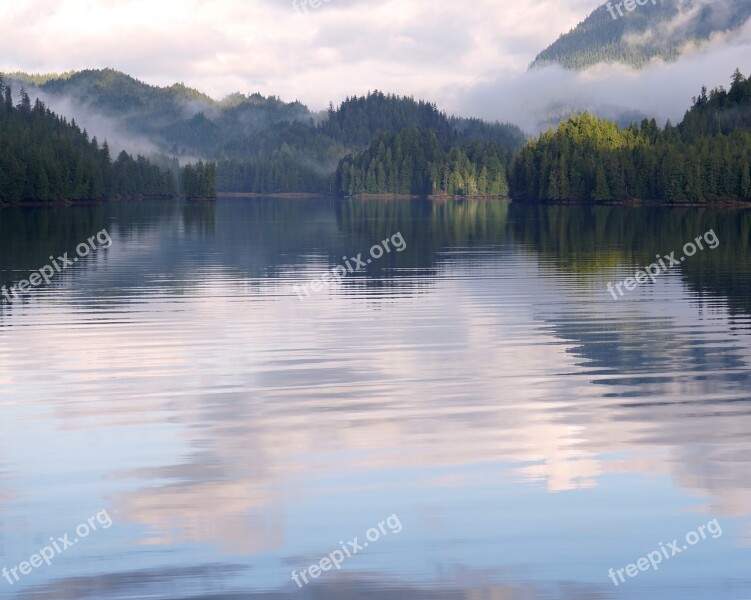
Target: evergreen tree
704,159
42,157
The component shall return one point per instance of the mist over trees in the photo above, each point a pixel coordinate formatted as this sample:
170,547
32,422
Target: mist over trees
299,158
661,29
44,157
374,144
261,144
707,158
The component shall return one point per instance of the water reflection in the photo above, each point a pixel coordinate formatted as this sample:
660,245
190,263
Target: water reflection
530,432
194,581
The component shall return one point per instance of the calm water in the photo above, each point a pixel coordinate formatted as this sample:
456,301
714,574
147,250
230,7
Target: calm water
517,431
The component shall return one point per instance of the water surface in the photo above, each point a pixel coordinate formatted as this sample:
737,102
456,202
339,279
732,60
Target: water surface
528,431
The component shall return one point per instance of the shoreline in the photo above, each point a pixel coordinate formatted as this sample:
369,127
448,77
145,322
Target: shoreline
63,203
290,195
633,203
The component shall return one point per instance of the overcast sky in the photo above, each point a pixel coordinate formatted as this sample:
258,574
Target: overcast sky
469,57
420,47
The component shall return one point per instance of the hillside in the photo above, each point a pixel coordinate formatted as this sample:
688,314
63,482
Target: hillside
175,119
416,161
261,144
707,158
659,30
45,157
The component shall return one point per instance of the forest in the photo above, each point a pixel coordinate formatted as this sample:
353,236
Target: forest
260,144
707,158
44,157
299,157
199,180
375,144
416,161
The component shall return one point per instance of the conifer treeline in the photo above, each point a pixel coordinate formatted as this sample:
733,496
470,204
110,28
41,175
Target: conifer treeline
706,158
417,161
43,157
303,157
279,173
394,145
199,180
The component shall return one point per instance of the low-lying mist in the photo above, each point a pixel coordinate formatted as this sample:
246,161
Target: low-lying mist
97,125
542,96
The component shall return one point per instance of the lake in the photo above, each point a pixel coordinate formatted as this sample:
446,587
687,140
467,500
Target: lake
222,403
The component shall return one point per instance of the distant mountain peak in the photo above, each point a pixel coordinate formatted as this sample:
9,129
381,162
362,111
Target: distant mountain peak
634,33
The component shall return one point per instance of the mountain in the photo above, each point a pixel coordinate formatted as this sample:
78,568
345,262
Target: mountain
300,158
261,144
658,29
175,119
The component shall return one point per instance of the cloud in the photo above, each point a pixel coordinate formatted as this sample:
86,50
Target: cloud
343,47
467,59
661,90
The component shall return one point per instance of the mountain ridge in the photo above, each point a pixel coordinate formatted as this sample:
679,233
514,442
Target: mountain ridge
260,144
659,31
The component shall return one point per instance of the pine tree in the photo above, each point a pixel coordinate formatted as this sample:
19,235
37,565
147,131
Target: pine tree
601,191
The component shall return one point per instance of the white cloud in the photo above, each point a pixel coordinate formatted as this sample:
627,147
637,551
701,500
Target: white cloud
467,57
662,90
343,47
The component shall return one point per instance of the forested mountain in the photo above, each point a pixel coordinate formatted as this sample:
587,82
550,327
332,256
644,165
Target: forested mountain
359,120
44,157
418,161
176,119
658,29
706,158
308,157
260,144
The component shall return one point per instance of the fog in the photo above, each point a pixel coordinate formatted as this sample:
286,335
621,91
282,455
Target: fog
120,132
539,97
97,125
533,99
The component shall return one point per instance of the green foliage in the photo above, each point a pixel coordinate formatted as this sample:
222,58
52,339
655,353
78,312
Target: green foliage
261,144
199,180
179,119
43,157
38,78
416,161
278,174
359,120
720,111
591,159
299,157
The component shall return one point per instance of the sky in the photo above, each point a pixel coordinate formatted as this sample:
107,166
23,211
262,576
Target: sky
415,47
470,58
